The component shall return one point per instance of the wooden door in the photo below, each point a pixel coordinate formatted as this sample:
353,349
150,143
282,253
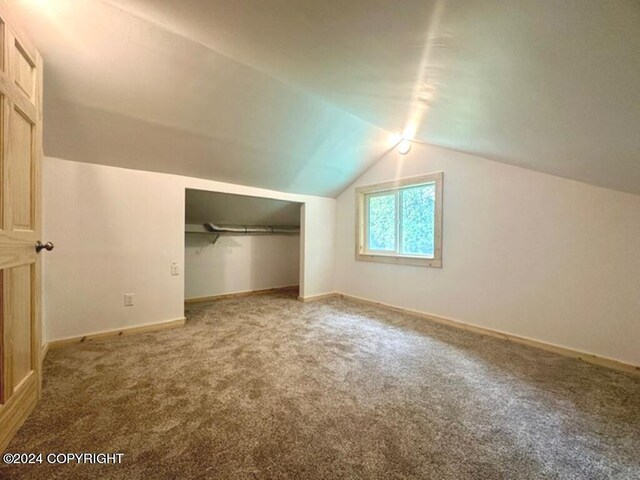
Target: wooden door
20,212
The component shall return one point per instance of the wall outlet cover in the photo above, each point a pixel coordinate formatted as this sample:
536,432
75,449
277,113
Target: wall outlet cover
129,299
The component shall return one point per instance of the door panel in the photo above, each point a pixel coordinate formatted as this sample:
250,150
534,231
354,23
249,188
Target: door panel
19,316
2,37
20,220
20,171
24,70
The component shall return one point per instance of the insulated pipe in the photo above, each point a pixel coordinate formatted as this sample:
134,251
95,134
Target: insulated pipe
249,229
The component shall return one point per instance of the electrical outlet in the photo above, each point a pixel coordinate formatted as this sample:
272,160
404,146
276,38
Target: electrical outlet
129,299
175,269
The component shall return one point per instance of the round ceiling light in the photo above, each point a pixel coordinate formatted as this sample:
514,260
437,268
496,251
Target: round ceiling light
404,146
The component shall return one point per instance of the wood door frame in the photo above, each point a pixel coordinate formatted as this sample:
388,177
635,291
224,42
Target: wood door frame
17,246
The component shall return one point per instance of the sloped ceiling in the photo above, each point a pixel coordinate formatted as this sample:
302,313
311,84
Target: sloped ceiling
122,91
228,209
284,94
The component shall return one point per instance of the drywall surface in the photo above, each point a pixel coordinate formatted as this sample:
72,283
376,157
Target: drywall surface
523,252
469,68
240,263
118,231
229,209
172,105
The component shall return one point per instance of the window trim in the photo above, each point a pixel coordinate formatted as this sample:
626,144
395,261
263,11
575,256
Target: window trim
394,186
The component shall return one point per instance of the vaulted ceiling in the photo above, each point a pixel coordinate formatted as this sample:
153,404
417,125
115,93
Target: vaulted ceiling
301,96
228,209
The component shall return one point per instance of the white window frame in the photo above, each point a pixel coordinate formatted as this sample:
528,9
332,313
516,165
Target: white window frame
362,215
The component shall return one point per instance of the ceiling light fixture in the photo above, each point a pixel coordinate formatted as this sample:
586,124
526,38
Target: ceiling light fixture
404,146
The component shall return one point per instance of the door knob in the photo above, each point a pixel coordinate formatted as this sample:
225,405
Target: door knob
43,246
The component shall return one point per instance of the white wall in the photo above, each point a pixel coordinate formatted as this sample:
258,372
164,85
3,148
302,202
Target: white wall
240,263
118,230
524,253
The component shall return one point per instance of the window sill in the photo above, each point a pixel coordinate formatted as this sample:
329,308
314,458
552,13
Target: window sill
399,260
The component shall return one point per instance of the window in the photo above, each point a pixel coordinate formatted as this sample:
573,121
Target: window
401,221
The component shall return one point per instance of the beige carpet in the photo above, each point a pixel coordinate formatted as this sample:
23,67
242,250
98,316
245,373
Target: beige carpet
268,387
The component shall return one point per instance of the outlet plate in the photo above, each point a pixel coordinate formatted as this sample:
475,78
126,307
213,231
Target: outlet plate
175,270
129,299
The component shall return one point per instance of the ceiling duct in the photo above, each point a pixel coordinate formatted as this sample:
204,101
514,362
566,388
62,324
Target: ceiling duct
250,229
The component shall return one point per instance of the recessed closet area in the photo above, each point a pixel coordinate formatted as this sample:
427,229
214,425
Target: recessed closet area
236,244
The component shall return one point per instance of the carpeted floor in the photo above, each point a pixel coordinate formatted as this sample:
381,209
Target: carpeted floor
268,387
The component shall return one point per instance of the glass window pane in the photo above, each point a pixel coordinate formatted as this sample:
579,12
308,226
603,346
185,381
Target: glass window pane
418,220
382,222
